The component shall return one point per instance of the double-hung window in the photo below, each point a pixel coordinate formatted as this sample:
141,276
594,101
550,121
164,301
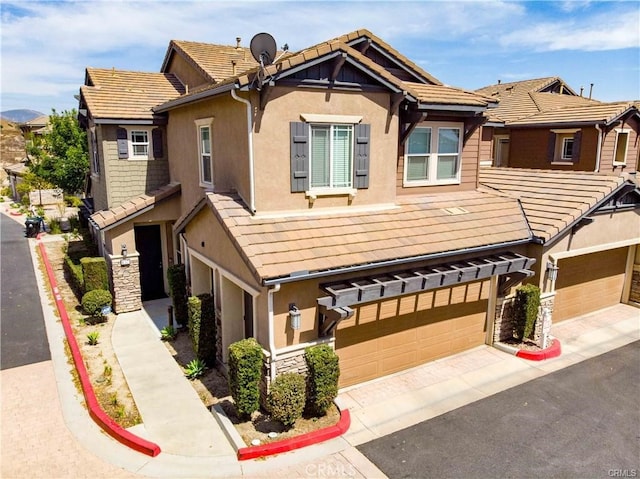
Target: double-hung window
331,156
622,142
139,143
567,149
205,162
432,155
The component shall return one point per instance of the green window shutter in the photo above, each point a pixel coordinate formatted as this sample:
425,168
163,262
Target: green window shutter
158,147
123,143
362,154
299,136
551,147
575,153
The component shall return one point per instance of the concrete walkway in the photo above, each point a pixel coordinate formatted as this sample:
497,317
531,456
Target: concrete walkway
193,444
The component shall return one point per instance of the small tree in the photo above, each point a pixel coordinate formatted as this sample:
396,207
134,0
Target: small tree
61,156
525,310
245,370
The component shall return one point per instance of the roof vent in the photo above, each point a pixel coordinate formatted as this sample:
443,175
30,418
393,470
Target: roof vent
238,40
455,210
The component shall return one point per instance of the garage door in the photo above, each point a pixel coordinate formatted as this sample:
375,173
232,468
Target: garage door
393,335
589,282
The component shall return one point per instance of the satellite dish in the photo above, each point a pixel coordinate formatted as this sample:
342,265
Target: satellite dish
263,48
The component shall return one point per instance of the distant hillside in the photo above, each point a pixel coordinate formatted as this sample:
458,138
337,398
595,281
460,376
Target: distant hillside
20,116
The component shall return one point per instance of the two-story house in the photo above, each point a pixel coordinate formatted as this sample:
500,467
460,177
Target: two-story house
542,123
330,195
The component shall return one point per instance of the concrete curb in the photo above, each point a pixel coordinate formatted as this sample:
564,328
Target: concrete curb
298,442
95,411
552,351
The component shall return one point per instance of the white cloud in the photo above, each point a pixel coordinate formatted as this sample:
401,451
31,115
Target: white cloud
611,31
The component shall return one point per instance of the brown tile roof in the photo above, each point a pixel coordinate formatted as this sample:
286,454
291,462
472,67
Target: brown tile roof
428,93
525,98
119,94
279,246
364,33
215,62
106,218
591,113
446,95
552,200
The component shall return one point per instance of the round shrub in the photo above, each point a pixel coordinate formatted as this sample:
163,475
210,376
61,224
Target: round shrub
93,301
287,398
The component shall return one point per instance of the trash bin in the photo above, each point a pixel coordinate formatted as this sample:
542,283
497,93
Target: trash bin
32,226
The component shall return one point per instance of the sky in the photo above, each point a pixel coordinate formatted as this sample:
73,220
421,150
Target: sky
46,45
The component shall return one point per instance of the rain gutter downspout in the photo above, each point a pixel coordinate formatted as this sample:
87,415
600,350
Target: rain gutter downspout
598,149
272,343
252,202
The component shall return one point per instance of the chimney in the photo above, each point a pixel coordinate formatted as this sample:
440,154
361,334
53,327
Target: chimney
590,91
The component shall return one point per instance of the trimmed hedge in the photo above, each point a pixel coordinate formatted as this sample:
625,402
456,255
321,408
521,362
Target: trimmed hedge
245,370
177,279
202,327
94,271
93,301
525,310
74,272
287,398
324,373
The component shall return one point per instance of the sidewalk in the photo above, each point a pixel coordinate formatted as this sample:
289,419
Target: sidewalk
194,445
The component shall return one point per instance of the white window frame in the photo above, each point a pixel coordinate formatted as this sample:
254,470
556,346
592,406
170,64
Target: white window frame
432,156
621,131
558,153
331,127
566,141
200,125
149,143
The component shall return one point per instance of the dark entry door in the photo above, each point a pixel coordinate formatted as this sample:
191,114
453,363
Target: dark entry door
149,245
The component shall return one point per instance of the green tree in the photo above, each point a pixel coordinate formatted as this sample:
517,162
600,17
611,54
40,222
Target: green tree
61,156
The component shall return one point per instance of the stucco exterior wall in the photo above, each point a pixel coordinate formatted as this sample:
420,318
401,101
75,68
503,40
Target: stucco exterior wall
272,146
185,72
228,147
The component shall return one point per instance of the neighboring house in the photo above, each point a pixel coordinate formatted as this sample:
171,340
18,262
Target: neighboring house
542,123
330,196
36,126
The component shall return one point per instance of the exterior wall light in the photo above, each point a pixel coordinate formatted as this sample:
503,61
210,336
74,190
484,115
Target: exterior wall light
294,316
552,271
124,261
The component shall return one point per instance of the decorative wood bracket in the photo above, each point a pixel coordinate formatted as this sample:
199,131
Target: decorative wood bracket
396,99
337,66
410,126
365,46
330,318
471,125
506,281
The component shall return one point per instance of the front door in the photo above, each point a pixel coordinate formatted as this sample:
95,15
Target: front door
149,246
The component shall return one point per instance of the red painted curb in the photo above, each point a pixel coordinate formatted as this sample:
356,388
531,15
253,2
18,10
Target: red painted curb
15,213
95,411
551,352
298,442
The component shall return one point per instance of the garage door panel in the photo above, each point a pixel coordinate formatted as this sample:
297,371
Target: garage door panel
450,320
589,282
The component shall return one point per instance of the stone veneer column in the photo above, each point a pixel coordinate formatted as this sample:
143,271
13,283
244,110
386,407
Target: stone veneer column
125,282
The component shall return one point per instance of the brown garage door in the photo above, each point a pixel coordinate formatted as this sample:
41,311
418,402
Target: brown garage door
396,334
589,282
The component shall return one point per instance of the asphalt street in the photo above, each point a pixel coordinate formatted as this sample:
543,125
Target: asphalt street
582,421
23,337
